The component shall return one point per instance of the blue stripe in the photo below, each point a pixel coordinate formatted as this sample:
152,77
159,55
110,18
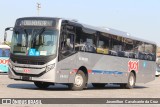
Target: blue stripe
106,72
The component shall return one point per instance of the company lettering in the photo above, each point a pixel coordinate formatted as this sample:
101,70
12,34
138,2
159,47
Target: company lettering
133,65
3,61
26,70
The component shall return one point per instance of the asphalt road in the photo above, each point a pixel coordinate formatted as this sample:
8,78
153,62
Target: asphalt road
21,89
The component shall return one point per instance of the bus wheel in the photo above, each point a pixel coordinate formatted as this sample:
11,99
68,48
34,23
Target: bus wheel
98,85
131,82
41,85
79,82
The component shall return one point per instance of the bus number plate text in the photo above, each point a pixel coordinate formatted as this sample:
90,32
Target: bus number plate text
133,65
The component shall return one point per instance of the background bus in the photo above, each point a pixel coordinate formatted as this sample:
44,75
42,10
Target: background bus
4,58
53,50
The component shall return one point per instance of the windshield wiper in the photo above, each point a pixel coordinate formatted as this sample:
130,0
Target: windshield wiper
26,37
40,32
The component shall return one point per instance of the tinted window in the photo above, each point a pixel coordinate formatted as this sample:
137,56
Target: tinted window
4,52
150,52
117,47
128,47
67,41
86,42
139,50
103,43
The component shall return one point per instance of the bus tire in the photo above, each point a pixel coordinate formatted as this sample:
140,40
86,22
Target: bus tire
98,85
79,82
41,85
131,82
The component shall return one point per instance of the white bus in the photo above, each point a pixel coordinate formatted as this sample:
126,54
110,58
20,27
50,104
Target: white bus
4,58
48,50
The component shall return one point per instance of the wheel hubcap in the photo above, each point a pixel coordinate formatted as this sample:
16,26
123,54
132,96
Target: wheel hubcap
131,80
78,80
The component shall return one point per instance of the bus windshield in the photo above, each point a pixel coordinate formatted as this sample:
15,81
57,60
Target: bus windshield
34,42
4,52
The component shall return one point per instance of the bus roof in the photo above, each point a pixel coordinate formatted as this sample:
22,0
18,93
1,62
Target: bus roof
112,31
4,46
115,32
105,30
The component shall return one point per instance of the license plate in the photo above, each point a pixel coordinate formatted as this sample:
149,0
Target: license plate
26,78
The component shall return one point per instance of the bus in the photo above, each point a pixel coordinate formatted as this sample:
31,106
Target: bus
4,58
49,51
158,67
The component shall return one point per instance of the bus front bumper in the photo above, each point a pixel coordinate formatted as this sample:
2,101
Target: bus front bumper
47,77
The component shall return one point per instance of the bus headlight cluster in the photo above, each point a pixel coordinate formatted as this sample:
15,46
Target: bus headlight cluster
49,67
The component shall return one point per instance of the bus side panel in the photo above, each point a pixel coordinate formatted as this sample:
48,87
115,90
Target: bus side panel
4,64
117,69
104,68
146,71
66,69
100,68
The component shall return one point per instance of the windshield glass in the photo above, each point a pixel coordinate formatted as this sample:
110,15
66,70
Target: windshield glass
4,52
34,42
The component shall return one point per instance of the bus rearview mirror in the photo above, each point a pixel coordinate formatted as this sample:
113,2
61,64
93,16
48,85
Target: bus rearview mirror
5,33
5,36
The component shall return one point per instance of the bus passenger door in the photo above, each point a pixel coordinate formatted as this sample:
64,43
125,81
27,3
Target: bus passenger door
67,39
66,54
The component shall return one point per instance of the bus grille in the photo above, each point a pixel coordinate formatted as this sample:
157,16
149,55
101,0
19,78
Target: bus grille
29,62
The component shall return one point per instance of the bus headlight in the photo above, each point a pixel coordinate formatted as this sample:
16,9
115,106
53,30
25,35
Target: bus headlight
49,67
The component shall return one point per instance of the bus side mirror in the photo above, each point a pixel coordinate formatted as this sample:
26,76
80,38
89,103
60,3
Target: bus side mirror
5,33
5,36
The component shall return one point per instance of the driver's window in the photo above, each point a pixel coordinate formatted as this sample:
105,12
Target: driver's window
67,44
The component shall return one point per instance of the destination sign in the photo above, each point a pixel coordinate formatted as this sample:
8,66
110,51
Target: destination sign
35,22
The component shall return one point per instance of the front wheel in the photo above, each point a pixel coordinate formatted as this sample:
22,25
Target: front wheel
41,85
131,82
79,82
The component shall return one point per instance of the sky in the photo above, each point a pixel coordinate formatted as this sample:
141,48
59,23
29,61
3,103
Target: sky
140,18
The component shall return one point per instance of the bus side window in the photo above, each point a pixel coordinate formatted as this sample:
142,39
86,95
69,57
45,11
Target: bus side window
103,44
139,50
117,46
89,46
67,44
150,52
128,48
85,40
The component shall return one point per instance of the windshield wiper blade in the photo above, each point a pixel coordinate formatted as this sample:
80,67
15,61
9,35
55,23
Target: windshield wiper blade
26,32
40,32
